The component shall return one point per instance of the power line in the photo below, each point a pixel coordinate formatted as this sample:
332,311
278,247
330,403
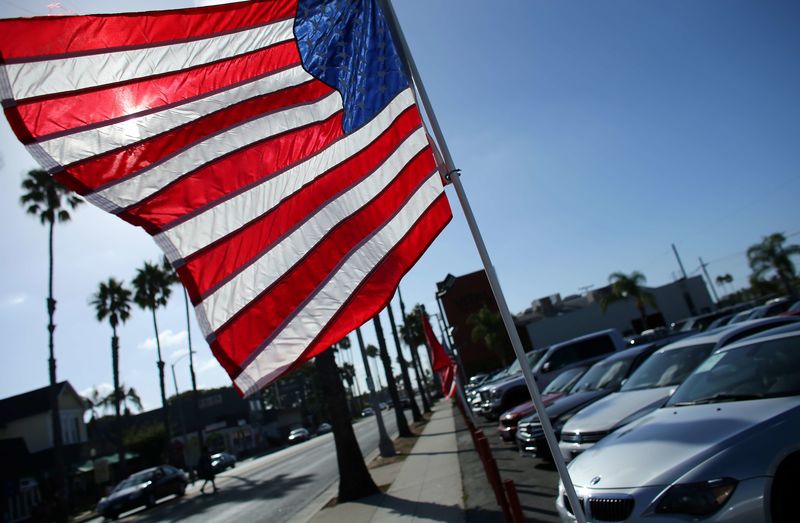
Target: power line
25,9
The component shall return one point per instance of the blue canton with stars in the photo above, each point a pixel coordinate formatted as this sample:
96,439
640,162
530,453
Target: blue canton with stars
348,45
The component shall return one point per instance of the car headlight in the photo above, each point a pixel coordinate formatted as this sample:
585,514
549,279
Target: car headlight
697,499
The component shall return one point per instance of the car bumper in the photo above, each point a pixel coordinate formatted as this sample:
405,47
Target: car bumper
746,505
507,433
571,451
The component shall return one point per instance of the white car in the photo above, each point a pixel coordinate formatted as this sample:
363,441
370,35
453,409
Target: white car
725,448
652,383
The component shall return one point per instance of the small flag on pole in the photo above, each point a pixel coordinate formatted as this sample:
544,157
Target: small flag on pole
273,149
441,362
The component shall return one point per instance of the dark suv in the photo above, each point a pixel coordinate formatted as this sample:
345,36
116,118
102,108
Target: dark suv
582,351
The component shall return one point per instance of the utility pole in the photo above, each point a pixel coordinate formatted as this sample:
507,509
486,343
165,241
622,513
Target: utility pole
384,444
195,396
680,263
708,279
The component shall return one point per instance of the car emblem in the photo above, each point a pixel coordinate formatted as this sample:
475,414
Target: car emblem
595,480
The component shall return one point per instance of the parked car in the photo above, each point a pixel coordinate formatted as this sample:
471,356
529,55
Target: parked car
724,448
604,378
480,395
794,310
299,435
324,428
367,412
578,352
651,385
222,461
557,388
142,489
771,308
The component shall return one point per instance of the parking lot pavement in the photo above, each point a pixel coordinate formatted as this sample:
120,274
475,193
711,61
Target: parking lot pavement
535,479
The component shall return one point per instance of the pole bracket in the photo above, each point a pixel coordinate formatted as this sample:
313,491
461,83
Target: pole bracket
449,176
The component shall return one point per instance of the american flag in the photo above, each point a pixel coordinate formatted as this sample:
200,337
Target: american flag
272,148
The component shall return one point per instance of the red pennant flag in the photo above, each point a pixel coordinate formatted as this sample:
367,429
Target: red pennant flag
441,362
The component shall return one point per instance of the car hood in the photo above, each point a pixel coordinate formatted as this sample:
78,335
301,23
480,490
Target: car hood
611,411
568,403
527,408
124,493
661,447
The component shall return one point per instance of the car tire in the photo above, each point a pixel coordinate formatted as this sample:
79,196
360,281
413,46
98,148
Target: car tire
113,516
783,490
181,490
151,500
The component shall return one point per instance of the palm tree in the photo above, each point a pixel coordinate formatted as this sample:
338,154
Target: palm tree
113,301
772,255
354,479
629,286
152,286
487,328
412,334
46,199
372,353
402,423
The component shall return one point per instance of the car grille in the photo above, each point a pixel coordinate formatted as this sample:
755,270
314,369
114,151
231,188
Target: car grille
611,509
568,505
531,430
582,437
485,395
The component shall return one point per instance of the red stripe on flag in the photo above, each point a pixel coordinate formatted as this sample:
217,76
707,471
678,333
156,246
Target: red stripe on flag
375,291
70,111
99,171
211,265
57,35
245,331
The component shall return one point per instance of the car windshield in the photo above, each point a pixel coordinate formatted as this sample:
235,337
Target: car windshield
564,381
667,368
136,479
766,369
603,375
533,357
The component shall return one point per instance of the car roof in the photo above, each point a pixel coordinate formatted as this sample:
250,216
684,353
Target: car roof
629,353
585,337
770,335
725,332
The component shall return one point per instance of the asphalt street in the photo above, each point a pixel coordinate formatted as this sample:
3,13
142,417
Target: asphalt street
270,488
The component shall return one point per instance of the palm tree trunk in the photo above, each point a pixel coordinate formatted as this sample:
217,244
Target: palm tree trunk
643,316
402,424
426,403
416,415
118,402
55,409
354,479
160,365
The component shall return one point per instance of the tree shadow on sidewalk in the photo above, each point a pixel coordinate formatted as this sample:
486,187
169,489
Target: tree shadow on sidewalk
419,509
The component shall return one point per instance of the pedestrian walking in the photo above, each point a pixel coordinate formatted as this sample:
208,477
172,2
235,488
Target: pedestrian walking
205,470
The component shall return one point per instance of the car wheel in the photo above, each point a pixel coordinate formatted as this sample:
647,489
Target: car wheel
181,490
151,500
113,516
783,488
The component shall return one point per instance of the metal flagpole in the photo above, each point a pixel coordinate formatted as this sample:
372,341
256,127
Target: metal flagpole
547,427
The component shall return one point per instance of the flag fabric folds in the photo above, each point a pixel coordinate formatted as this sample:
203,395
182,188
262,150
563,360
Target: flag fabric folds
441,362
273,149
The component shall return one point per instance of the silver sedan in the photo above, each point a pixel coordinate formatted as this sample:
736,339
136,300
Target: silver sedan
725,448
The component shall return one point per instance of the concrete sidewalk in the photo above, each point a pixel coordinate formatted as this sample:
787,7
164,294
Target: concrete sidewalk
426,486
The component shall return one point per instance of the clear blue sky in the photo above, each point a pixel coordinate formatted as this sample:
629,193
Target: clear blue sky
591,135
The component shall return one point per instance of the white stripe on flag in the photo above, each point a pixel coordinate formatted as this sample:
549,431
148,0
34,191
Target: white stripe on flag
221,220
147,182
91,142
46,77
301,330
235,294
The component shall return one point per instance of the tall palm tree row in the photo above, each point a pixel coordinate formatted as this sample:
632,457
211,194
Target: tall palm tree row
772,255
152,290
487,328
402,423
50,202
113,301
372,353
629,287
413,336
